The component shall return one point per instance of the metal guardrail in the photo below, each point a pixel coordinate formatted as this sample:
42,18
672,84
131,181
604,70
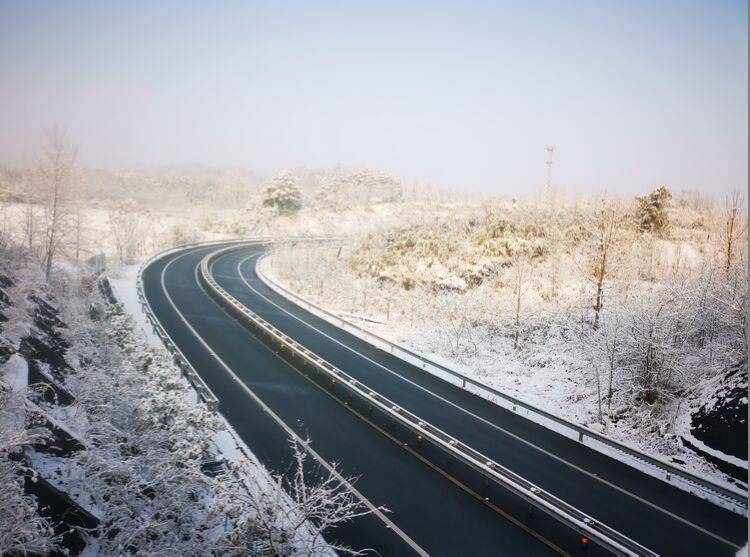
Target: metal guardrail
204,392
179,358
700,486
580,522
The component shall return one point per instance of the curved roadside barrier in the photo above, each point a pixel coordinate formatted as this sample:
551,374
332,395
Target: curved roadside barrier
205,394
732,499
498,487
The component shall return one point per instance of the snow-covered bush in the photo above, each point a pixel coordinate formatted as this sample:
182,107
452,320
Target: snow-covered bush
346,187
652,348
142,441
289,517
147,443
283,193
22,529
652,213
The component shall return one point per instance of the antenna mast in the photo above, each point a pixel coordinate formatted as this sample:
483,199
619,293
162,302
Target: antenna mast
548,162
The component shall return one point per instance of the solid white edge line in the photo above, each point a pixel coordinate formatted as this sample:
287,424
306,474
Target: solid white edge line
377,512
495,426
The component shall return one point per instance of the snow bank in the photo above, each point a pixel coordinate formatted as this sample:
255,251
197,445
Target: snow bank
15,372
124,283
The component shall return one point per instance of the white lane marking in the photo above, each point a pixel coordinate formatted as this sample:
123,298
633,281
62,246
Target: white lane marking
491,424
404,446
377,512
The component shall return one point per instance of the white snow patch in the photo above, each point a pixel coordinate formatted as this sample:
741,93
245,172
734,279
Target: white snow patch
124,282
683,427
15,372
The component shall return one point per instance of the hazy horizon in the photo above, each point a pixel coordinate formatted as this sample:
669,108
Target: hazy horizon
631,96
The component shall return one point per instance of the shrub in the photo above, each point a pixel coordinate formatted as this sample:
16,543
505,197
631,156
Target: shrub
652,213
283,193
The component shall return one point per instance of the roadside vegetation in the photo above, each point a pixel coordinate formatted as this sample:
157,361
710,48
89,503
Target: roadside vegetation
614,312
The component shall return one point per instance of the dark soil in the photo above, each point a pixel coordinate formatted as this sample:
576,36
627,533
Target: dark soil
46,389
60,443
722,425
64,514
729,469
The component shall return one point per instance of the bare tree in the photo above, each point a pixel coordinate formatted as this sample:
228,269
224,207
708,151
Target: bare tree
77,229
55,174
603,235
5,226
458,315
521,275
292,516
77,218
734,228
125,228
30,210
556,246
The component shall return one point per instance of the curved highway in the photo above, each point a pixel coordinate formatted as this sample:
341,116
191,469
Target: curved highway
261,394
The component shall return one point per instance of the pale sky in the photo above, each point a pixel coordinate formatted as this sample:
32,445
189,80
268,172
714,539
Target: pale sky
632,94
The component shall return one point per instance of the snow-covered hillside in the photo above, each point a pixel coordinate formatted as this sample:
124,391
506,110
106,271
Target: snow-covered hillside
650,350
104,447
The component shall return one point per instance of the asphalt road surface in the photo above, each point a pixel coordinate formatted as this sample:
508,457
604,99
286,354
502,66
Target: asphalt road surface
428,512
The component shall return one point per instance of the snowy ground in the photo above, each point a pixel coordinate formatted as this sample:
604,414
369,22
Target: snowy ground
550,371
123,281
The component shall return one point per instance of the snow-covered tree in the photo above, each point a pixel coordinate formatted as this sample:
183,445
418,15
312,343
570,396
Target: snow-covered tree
653,211
55,175
291,516
283,193
126,230
604,233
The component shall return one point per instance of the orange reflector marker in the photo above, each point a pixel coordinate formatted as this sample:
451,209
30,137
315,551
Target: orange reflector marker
584,541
